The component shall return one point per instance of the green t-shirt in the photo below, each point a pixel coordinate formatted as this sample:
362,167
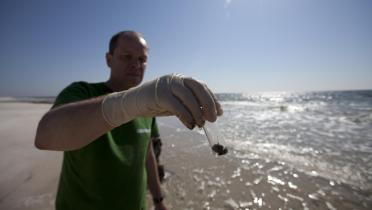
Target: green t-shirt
110,172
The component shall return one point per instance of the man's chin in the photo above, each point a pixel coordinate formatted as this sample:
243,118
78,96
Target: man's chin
134,83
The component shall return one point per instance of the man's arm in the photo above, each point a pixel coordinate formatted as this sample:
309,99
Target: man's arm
153,177
71,126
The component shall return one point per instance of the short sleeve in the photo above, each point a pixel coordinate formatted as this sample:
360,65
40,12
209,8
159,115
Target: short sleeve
154,128
76,91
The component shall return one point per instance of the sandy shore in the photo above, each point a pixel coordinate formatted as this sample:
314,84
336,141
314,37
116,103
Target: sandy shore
28,177
196,179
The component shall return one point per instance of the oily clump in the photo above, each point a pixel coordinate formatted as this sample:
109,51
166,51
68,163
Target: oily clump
219,149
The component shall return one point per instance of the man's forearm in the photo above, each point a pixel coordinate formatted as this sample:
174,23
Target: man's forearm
71,126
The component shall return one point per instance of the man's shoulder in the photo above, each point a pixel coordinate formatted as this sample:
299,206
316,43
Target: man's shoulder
78,87
79,83
83,85
79,90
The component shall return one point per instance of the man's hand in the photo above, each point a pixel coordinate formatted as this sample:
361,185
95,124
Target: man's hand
190,100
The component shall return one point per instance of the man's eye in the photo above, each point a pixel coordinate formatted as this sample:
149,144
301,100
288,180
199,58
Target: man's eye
126,57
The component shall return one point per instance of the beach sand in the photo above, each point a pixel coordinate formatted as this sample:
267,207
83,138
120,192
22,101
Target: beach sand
195,178
28,177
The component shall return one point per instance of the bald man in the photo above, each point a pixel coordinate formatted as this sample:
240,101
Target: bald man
105,129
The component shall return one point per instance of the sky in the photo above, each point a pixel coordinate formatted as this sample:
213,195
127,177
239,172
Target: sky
232,45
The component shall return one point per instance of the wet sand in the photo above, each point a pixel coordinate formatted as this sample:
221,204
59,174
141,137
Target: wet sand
28,177
196,179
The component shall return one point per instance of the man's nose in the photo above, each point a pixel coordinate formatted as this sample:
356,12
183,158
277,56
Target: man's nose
135,64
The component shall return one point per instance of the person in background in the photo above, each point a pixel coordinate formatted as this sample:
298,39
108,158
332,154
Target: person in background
105,129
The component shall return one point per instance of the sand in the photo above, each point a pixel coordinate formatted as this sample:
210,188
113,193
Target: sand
28,177
196,179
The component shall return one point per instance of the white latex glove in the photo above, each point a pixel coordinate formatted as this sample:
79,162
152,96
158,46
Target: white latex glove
190,100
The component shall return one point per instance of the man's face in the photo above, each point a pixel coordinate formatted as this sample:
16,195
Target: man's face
128,62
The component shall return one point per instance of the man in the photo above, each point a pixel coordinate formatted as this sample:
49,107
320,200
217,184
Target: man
104,129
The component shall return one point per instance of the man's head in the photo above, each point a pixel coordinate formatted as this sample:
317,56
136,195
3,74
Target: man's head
127,59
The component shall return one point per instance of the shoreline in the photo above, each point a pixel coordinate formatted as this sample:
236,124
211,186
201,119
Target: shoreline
196,178
240,181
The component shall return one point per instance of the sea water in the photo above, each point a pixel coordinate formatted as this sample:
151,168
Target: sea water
324,133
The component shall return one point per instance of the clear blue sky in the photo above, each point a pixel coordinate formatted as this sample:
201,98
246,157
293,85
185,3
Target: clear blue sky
234,46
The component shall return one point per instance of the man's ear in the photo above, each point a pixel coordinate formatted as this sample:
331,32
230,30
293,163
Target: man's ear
108,59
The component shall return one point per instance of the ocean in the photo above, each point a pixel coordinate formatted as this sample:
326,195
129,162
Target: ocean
328,132
287,150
